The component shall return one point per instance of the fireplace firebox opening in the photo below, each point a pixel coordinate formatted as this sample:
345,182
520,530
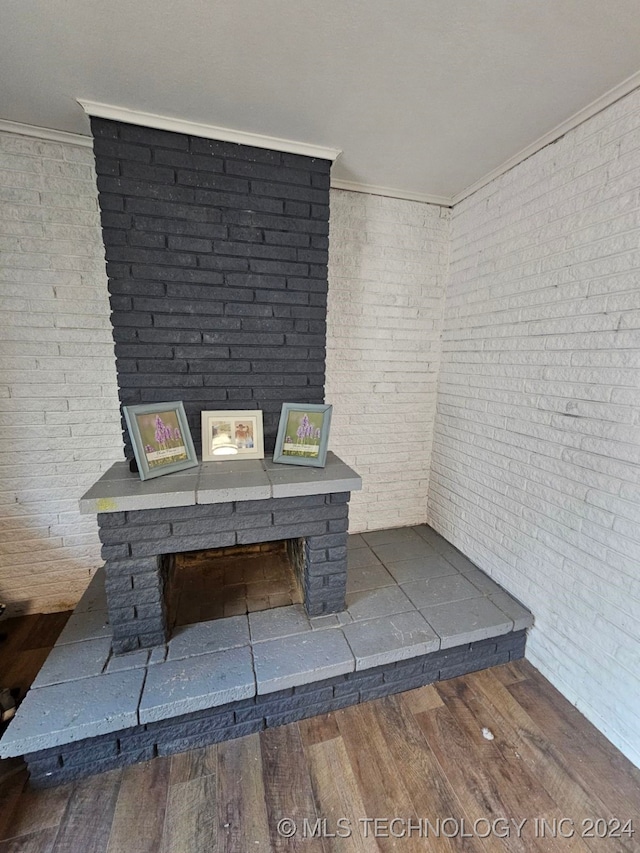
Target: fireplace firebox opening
203,585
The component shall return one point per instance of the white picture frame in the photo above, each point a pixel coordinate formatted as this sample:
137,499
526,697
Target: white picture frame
243,426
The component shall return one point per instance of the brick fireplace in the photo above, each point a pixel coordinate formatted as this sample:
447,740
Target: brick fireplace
217,266
139,546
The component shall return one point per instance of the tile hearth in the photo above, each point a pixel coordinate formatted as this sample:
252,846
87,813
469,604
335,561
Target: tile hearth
410,594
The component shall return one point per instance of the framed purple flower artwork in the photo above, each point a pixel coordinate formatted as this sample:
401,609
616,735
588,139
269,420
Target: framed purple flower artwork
303,434
160,437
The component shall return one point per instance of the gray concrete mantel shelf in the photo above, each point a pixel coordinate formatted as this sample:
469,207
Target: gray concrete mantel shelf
118,490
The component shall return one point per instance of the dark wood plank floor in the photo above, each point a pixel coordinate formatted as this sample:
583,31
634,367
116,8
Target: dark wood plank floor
546,781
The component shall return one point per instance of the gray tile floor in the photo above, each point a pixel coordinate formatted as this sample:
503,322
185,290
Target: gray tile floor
409,593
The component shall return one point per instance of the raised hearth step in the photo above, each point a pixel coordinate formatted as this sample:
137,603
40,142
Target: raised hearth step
417,612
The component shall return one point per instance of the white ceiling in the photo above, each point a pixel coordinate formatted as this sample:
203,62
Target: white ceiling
422,96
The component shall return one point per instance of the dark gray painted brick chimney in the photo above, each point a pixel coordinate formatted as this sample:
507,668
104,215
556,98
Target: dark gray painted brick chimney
217,266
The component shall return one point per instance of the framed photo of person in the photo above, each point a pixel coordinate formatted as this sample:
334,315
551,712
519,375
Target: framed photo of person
161,438
303,434
232,433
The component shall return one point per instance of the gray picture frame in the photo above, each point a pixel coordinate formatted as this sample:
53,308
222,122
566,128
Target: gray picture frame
290,450
147,470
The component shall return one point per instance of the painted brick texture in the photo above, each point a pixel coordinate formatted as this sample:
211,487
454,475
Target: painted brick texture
217,265
535,472
387,275
59,406
135,542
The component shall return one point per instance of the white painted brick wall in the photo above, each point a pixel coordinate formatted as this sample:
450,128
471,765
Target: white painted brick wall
387,270
535,471
58,406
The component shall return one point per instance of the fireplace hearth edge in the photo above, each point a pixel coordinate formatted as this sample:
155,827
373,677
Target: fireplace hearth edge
90,711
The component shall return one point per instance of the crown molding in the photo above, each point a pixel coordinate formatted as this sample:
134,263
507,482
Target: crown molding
45,133
620,91
208,131
225,134
390,192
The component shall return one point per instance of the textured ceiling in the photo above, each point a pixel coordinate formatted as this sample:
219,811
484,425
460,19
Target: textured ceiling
422,96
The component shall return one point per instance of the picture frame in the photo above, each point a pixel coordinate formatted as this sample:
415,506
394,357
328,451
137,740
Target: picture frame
244,429
303,434
160,437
